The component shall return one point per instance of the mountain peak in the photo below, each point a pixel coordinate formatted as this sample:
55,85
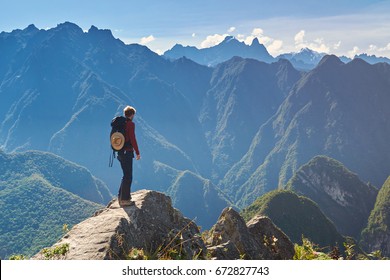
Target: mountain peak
69,26
283,207
224,51
31,27
94,31
330,60
228,39
307,50
358,61
340,194
255,42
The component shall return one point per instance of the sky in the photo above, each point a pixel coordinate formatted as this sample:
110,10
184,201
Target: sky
332,26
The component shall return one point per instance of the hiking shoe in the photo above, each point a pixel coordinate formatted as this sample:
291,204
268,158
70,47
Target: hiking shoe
126,202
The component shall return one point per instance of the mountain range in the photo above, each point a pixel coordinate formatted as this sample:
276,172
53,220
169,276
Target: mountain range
338,110
303,60
210,137
224,51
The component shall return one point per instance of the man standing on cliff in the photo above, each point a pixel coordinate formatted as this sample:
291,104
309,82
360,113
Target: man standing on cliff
126,156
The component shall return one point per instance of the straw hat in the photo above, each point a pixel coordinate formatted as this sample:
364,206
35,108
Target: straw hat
117,141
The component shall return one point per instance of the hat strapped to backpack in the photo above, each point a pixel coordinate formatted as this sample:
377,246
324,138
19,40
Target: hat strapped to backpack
117,137
117,141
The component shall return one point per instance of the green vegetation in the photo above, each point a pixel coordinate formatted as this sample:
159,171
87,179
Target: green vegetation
377,233
310,251
35,209
296,216
57,171
340,194
17,258
55,253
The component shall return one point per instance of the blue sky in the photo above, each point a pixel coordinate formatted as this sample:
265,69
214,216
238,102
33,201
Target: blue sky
332,26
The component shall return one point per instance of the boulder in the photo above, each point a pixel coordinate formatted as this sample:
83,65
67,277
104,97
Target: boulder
150,224
267,233
231,238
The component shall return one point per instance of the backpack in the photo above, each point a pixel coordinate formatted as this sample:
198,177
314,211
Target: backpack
117,137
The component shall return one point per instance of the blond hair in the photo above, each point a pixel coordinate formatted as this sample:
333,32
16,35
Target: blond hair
128,111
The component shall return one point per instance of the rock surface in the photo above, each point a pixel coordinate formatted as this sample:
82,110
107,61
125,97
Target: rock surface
150,223
231,238
274,238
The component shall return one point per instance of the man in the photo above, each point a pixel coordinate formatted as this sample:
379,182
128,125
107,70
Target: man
126,156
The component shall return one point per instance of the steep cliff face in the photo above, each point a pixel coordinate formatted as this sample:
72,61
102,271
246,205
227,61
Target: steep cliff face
339,193
376,236
339,110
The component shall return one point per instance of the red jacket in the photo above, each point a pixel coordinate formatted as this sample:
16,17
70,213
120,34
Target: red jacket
130,136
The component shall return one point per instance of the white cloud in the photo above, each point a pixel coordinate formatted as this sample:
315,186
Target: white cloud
213,40
240,37
193,35
353,52
298,38
248,40
231,29
265,40
372,48
257,32
318,44
147,40
337,45
319,41
275,47
386,48
159,52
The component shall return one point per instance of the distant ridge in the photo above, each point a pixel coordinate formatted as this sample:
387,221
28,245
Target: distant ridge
303,60
224,51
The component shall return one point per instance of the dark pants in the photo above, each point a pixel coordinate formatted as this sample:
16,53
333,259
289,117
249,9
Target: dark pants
126,160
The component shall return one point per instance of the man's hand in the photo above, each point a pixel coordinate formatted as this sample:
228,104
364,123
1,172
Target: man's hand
138,157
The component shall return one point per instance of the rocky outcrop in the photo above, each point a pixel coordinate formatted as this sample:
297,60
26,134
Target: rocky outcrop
150,223
231,238
274,238
152,228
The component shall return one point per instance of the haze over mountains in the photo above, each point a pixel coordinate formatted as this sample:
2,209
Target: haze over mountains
305,60
209,136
